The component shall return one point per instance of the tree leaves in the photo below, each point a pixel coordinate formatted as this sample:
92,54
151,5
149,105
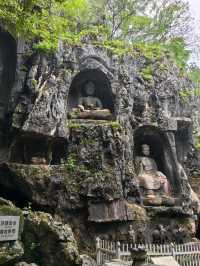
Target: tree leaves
43,22
152,23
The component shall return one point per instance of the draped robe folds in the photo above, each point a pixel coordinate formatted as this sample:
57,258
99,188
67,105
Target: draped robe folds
149,177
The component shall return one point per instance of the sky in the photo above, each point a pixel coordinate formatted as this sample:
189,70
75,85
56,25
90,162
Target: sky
195,10
195,7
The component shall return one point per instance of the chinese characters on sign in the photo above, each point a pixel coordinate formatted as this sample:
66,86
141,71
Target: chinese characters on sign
9,228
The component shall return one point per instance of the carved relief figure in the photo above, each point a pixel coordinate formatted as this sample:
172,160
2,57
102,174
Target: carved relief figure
160,235
154,184
179,234
140,239
131,235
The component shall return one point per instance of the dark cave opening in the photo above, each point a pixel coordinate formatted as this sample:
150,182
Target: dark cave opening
103,88
38,150
59,153
198,229
18,192
8,62
183,143
10,191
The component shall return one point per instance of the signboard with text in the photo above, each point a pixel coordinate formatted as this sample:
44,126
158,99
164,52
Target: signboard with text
9,228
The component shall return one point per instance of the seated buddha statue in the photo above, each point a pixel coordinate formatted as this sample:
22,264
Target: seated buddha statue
154,184
90,102
90,106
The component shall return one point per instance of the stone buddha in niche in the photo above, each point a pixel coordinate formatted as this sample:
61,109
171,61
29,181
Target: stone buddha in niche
90,106
90,102
154,184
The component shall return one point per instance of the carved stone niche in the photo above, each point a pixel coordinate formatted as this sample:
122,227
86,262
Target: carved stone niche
37,150
156,167
90,96
8,61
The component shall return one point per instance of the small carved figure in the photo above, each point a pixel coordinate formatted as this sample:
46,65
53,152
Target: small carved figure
155,186
131,235
179,234
160,235
140,236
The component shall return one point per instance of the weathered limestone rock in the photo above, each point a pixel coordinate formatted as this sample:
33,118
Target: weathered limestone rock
87,261
85,166
49,242
10,252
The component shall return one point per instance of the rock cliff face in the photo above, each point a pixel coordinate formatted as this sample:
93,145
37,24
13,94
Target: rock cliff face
84,171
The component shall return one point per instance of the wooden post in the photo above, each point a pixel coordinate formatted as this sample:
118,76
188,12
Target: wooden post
118,250
98,251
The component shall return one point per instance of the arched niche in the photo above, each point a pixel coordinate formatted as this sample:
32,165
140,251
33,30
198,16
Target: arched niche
102,88
160,151
8,61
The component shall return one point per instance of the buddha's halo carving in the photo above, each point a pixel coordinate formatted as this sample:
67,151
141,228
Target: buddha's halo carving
90,96
8,59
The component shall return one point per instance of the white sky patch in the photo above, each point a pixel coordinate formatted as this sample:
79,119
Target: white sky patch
195,10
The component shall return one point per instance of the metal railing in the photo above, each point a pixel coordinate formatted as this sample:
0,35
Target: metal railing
185,254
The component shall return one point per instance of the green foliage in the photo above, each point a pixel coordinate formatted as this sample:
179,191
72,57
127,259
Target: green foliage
147,73
44,22
194,75
34,82
185,94
115,125
178,51
152,51
198,143
117,46
168,16
73,125
193,72
71,163
120,25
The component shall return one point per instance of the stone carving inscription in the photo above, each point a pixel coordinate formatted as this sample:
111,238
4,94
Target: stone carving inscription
9,228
